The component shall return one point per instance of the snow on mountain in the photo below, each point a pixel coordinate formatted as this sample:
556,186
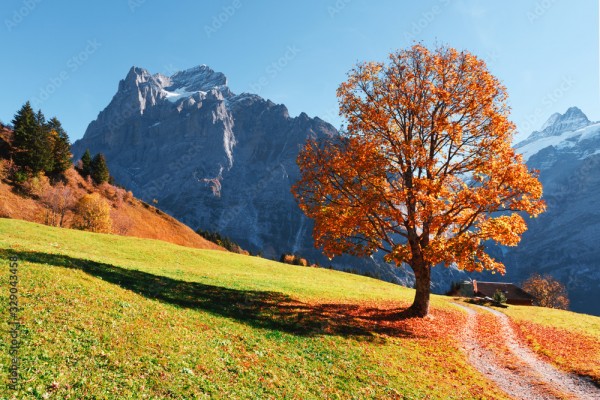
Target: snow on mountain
569,132
573,140
571,120
551,121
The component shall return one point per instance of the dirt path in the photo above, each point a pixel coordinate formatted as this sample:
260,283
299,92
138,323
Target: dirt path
532,378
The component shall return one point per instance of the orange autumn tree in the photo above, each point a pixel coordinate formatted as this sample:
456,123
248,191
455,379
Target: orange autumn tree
548,292
424,171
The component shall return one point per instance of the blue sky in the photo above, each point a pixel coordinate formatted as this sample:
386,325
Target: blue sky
68,57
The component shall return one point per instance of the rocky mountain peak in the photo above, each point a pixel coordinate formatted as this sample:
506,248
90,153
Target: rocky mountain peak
551,121
200,78
134,78
141,89
555,127
571,120
196,78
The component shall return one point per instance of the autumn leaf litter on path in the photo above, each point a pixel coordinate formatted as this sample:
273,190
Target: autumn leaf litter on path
493,348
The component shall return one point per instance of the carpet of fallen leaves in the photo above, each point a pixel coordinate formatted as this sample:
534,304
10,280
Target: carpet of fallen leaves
437,335
388,318
489,334
568,350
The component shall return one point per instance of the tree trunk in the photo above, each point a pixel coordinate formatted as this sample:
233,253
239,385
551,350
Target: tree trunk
420,306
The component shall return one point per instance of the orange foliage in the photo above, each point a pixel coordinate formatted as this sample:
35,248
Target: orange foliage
489,334
568,350
387,318
93,214
548,292
425,171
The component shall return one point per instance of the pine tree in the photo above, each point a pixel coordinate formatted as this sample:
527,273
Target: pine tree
41,146
24,127
61,148
99,173
32,141
86,164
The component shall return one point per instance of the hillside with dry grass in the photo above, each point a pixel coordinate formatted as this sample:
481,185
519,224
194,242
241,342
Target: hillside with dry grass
129,216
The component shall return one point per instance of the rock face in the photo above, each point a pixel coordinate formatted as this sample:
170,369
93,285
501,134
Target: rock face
565,240
215,160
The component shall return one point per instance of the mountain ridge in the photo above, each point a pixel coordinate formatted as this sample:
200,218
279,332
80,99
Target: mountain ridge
557,124
563,241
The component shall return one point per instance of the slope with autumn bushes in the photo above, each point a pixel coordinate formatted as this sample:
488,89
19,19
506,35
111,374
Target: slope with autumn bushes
129,216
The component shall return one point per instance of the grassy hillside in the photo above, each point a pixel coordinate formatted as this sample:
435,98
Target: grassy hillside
118,317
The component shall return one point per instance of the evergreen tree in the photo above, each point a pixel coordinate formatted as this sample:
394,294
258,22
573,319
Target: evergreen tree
24,127
86,164
32,140
99,173
61,148
41,146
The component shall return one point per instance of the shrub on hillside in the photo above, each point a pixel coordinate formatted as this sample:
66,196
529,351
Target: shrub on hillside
293,260
58,200
5,170
92,213
499,297
128,197
36,185
121,222
114,193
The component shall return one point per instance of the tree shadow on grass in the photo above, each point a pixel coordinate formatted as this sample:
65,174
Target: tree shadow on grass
263,309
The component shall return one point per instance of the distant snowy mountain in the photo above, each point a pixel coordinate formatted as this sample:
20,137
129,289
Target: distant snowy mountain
571,130
565,240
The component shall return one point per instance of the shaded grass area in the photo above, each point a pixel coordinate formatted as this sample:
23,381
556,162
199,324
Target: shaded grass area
109,317
210,267
261,309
